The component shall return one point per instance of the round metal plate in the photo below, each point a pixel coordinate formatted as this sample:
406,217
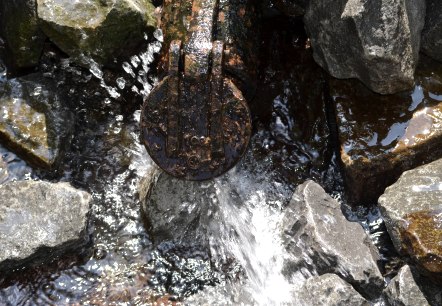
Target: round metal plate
193,130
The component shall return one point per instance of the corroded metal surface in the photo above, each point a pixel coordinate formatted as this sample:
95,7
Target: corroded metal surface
196,123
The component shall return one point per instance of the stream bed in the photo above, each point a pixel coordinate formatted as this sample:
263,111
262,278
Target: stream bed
293,140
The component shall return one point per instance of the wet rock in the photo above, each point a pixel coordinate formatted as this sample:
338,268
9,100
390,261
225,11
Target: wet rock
376,42
40,220
96,29
412,209
329,290
178,210
409,289
319,238
382,136
432,32
19,27
34,122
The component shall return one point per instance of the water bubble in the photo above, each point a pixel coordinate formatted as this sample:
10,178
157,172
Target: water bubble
121,83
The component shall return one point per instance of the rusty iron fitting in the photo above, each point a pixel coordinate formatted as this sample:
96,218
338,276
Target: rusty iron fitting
196,123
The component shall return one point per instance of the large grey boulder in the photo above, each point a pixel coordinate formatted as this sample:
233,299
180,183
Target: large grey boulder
320,239
40,220
432,32
34,120
374,41
412,210
19,27
96,28
329,290
409,289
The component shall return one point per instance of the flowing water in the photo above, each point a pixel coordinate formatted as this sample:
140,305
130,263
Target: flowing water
122,266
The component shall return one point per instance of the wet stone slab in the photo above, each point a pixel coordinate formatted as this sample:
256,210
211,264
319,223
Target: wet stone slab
382,136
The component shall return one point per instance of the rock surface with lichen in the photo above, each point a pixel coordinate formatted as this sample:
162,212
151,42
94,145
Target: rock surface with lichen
412,209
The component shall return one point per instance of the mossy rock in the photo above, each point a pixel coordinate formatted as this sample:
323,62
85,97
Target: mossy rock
99,29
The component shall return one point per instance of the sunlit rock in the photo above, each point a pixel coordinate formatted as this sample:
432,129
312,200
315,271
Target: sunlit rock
382,136
407,288
319,239
23,38
412,209
40,220
101,29
432,32
375,41
329,290
34,122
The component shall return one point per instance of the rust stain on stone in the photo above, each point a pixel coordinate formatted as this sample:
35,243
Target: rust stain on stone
422,239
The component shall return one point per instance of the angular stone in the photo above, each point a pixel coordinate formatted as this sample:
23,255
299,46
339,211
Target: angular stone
40,220
412,209
409,289
374,41
382,136
432,32
329,290
34,122
319,238
177,210
23,37
96,28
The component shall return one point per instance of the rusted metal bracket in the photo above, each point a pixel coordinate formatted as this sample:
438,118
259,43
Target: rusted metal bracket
196,123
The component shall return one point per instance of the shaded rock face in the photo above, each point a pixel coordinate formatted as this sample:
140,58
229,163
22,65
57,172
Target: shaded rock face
376,42
29,233
319,238
19,27
432,32
407,288
178,210
329,290
412,209
34,122
94,28
382,136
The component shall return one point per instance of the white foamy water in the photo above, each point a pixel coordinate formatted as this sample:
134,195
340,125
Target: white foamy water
248,229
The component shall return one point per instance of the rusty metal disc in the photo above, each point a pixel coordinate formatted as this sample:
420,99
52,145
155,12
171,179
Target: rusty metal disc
196,142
